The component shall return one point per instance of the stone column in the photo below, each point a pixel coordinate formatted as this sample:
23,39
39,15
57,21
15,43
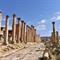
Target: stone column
29,34
22,24
22,31
26,34
14,29
32,33
0,20
18,35
53,32
6,31
1,33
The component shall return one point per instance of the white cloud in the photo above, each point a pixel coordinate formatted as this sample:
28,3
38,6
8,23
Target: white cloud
43,21
41,25
55,18
58,17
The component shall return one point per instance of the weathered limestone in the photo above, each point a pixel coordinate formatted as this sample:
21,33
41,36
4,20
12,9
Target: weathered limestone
53,32
6,31
1,33
28,34
14,29
22,31
0,20
18,30
32,30
52,37
34,35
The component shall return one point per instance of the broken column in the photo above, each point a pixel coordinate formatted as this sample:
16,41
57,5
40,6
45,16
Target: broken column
14,29
6,31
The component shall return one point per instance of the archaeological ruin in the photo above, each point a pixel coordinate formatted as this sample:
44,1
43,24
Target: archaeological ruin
20,33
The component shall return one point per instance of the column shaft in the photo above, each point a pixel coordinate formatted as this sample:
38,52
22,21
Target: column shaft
6,31
14,29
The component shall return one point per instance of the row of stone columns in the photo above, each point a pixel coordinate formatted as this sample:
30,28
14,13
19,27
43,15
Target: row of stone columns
20,31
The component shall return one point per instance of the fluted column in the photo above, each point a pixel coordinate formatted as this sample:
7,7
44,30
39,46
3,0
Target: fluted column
14,29
6,31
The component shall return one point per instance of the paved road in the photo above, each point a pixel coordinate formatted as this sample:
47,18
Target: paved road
29,53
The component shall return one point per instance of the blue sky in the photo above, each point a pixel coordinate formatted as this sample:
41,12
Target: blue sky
40,13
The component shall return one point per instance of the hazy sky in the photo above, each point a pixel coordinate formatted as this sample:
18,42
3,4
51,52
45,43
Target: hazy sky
37,12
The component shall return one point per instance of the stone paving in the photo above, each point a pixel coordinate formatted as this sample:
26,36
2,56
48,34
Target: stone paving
32,52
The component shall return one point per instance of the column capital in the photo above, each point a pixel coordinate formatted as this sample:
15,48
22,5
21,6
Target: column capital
19,18
53,22
0,11
14,15
7,16
22,21
32,26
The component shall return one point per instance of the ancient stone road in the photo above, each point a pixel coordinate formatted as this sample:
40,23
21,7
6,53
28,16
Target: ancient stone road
30,53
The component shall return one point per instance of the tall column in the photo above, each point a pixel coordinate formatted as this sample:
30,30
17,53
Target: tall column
22,31
18,35
53,32
52,37
57,39
0,20
32,33
29,34
6,31
25,34
14,29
